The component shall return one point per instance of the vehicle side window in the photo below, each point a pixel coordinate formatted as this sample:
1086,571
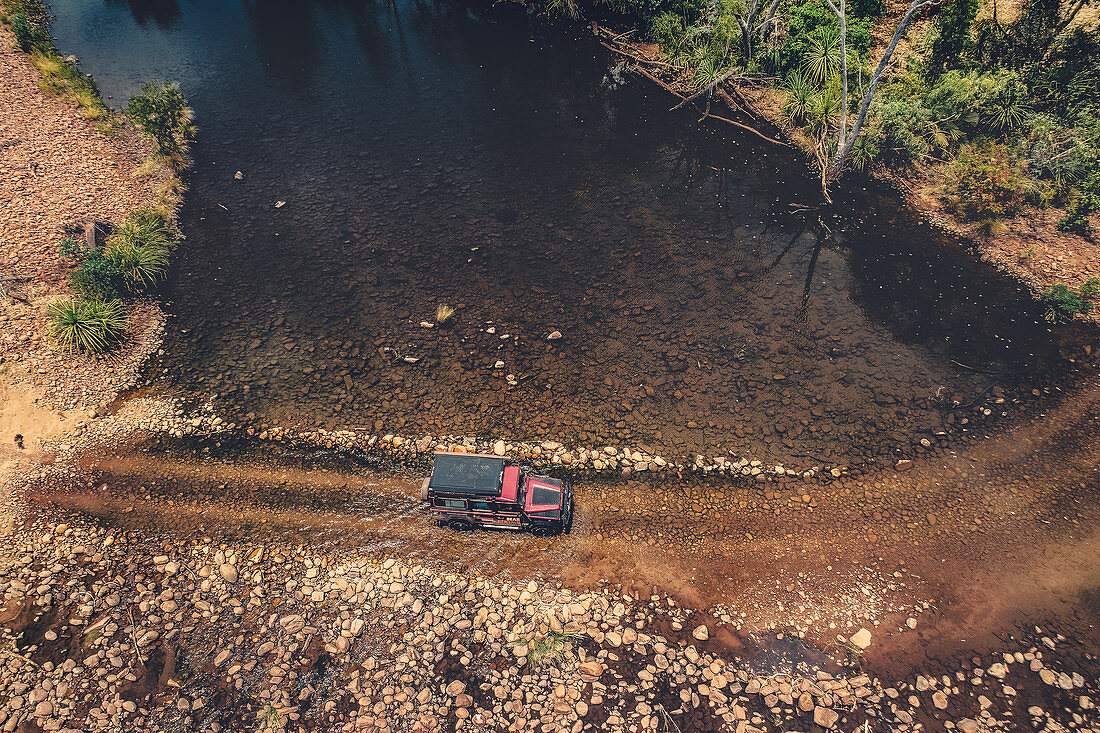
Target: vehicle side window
480,506
451,503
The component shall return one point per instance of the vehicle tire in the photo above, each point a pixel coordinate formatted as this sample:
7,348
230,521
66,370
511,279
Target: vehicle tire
460,525
542,531
424,489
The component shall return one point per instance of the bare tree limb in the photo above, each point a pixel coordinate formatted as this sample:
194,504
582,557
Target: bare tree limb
836,166
842,17
769,18
708,90
1068,18
707,114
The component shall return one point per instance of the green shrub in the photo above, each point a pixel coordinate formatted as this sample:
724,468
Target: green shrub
1084,204
22,30
667,31
28,22
952,39
87,325
987,185
163,115
95,277
922,118
867,8
1063,303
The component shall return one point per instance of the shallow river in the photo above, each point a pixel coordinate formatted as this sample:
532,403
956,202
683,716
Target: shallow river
431,153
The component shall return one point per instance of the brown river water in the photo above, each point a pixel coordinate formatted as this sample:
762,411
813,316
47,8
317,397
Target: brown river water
394,157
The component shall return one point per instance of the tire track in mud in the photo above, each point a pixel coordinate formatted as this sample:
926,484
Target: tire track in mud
994,535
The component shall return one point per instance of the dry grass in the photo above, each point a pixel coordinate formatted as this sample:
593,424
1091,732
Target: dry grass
444,313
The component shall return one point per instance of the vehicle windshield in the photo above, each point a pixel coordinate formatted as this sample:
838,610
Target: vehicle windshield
545,495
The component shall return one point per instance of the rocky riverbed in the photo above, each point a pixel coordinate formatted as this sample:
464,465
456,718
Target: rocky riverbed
200,587
108,630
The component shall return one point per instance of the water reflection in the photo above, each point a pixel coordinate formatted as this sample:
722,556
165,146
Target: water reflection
428,156
164,13
287,39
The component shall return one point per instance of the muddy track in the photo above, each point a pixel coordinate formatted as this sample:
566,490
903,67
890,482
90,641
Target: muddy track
994,536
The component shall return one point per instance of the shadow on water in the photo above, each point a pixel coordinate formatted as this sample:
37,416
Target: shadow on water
164,13
427,153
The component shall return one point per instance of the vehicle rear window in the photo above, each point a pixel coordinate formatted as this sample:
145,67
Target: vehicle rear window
451,503
545,496
480,506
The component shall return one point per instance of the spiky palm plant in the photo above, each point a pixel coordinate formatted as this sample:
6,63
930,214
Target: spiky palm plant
141,266
564,8
823,108
822,60
142,228
87,325
139,248
800,98
707,72
1009,113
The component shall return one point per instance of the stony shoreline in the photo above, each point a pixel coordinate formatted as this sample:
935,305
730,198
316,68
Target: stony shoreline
106,628
624,459
62,174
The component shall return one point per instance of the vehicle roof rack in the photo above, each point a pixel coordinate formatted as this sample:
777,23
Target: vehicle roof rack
467,473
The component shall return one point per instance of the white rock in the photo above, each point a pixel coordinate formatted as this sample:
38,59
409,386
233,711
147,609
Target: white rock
861,638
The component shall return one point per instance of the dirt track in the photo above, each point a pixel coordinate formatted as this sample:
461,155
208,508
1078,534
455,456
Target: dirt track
994,537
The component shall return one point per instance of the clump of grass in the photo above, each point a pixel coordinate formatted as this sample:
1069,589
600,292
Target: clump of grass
170,197
563,8
140,266
92,635
147,168
269,717
139,248
23,31
853,655
548,650
443,314
87,325
29,23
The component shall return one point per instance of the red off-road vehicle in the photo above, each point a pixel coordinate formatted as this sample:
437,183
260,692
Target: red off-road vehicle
469,490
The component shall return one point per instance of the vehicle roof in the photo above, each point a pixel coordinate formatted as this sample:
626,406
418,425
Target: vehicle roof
467,473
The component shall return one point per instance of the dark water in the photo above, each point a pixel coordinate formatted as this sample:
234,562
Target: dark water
428,153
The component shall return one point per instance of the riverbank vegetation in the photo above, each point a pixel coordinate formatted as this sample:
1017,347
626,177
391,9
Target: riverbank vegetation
136,254
132,261
999,104
29,22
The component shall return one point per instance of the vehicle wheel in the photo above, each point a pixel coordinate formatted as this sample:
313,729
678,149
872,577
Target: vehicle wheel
541,531
460,525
